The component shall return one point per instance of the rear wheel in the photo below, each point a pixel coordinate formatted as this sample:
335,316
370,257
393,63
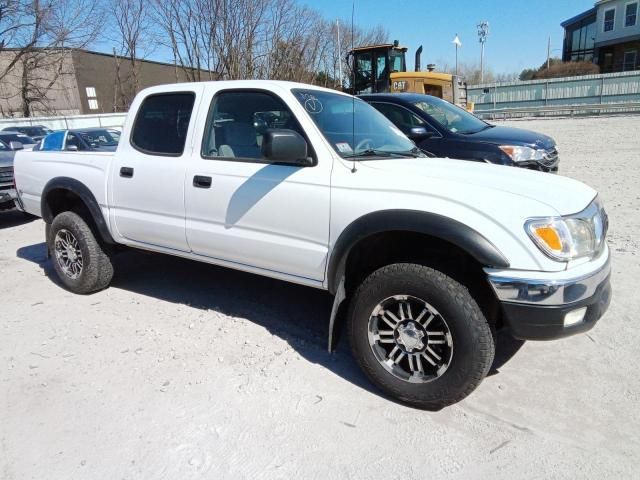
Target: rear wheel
419,336
78,258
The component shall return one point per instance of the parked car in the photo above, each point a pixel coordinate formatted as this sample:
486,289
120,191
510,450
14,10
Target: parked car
446,130
37,132
7,190
16,138
425,257
84,139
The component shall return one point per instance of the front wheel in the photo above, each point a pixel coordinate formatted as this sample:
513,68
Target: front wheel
419,336
78,258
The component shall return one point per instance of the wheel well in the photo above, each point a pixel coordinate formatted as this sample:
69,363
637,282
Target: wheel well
60,200
378,250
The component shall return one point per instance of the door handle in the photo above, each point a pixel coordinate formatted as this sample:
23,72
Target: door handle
126,172
200,181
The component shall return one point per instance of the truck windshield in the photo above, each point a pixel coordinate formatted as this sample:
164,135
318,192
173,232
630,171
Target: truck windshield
336,115
451,117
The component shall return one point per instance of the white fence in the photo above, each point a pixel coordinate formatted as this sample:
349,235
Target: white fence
71,121
586,90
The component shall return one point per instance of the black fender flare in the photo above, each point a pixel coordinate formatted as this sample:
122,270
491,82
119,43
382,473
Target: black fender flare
438,226
86,196
432,224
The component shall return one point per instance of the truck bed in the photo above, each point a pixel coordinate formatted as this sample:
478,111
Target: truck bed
33,169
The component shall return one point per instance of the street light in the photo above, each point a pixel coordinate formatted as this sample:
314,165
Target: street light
457,43
483,33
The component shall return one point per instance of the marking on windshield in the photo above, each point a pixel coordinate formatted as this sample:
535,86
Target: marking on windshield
313,105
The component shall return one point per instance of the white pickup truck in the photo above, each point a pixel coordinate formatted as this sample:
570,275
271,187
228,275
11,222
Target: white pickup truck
425,257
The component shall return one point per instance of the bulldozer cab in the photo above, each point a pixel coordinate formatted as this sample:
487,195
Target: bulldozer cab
382,68
373,65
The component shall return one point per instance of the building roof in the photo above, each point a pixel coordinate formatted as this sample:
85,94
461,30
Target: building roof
579,17
104,54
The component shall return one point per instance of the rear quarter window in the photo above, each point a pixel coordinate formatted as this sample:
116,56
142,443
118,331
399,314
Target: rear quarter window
161,125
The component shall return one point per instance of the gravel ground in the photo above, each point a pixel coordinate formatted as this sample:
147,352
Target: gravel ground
184,371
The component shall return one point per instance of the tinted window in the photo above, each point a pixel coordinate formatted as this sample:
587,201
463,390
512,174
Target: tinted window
162,122
238,120
73,141
402,118
451,117
99,138
17,137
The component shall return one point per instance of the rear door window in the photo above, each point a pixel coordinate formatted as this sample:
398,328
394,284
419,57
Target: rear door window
162,122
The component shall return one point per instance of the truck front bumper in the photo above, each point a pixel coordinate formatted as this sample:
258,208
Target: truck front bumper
551,305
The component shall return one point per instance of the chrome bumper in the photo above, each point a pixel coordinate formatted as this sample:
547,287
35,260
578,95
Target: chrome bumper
551,305
560,290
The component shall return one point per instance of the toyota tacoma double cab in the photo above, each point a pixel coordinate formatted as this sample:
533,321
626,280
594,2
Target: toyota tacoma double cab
425,258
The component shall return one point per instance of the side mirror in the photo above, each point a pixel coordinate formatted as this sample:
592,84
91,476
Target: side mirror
419,133
14,145
72,148
285,146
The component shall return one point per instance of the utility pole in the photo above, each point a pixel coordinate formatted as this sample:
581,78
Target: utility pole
483,33
548,53
339,55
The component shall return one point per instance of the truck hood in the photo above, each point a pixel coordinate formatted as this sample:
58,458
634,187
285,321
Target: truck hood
512,136
563,194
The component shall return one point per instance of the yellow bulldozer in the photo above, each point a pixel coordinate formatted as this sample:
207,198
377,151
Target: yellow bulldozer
383,68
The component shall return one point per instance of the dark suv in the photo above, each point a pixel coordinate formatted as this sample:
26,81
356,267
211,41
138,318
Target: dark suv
445,130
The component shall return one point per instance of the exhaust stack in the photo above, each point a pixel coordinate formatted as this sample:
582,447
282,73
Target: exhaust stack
418,53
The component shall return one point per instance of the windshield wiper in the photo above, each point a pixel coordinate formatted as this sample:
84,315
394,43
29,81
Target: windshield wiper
372,152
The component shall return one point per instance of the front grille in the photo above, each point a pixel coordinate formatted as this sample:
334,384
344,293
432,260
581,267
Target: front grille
6,177
550,158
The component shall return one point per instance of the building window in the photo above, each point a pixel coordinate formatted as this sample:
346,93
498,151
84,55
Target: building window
629,62
631,14
580,40
609,19
93,104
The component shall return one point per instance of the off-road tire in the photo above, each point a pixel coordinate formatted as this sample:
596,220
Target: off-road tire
472,339
97,269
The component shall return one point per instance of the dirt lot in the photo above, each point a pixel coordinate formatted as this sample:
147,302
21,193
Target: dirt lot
182,370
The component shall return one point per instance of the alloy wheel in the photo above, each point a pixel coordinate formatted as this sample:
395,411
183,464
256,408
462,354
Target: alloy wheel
410,339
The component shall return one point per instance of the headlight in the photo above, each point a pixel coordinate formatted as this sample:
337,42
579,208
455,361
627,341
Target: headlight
523,154
572,236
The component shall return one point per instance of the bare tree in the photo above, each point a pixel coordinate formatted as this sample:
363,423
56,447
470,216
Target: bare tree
134,37
40,35
235,39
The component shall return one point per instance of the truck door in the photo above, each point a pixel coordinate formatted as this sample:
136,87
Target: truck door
245,210
147,175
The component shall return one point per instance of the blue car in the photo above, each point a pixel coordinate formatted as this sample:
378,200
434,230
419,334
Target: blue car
79,140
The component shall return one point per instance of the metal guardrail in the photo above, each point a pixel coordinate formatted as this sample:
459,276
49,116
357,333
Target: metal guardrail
559,110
